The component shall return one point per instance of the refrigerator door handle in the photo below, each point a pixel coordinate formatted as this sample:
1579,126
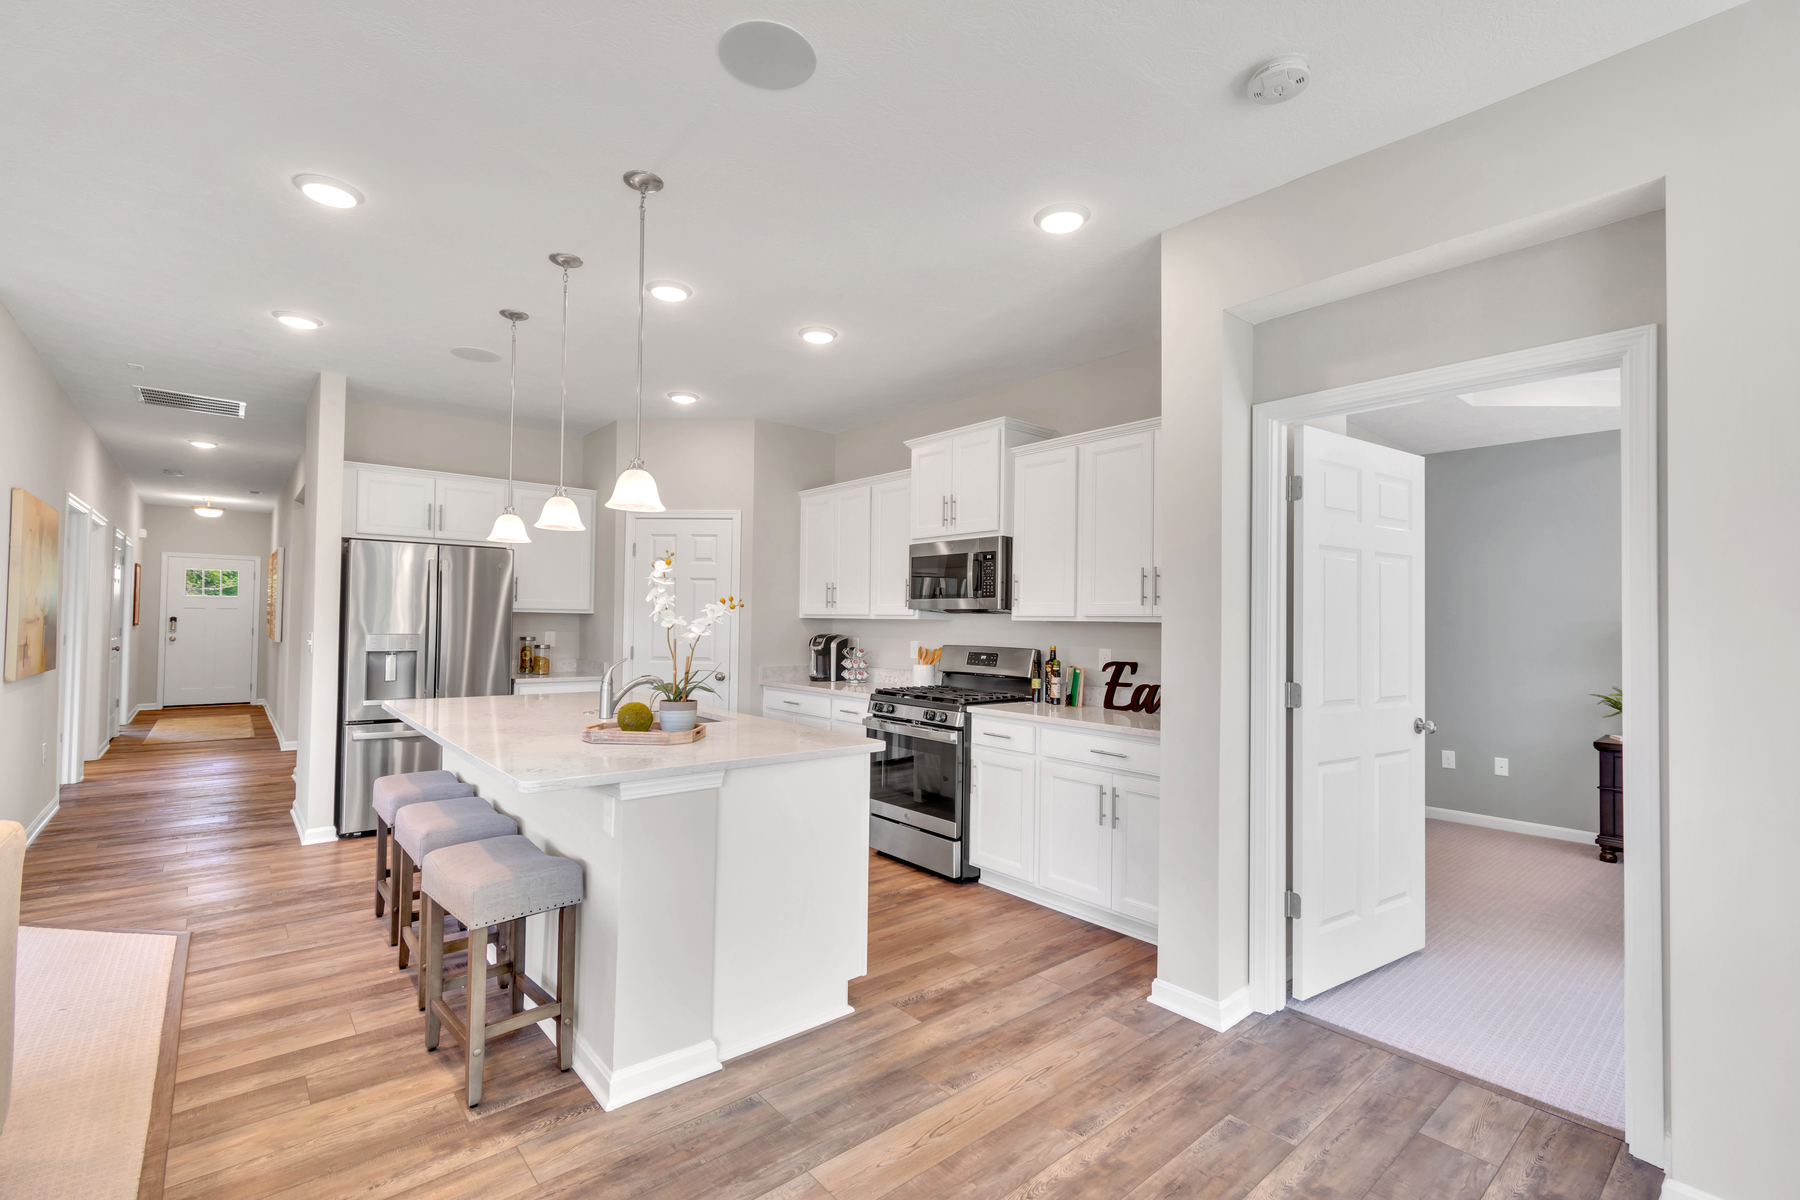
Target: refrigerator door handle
359,735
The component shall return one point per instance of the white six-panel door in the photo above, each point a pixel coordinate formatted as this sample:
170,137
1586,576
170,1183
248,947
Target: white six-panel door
210,609
1359,656
704,567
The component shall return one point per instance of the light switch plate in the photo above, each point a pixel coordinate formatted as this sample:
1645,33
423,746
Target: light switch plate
1500,767
549,637
1449,760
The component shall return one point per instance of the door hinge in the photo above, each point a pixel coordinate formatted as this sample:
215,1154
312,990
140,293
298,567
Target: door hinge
1293,695
634,549
1291,902
1293,487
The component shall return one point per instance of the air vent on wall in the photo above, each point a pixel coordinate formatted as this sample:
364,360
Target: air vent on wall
204,404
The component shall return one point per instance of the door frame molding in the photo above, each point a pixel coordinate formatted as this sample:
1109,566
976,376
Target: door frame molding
162,611
1634,352
71,614
630,585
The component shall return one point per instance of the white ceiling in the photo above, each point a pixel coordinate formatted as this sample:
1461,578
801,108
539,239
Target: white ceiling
147,151
1521,412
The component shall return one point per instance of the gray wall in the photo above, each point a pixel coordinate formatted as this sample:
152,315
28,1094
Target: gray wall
1522,592
177,530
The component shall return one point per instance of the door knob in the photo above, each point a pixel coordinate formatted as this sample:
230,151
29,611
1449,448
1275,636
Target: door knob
1421,725
171,637
719,676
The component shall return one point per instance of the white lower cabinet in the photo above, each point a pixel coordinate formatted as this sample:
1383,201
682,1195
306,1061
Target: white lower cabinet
847,713
1056,831
1003,812
802,706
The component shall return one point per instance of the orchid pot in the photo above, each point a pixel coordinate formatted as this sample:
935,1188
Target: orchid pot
678,715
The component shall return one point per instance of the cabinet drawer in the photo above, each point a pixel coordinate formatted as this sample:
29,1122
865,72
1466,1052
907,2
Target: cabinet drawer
1104,753
849,710
1003,735
792,704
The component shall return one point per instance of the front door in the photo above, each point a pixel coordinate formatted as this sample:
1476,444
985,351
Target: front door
704,557
1359,657
209,625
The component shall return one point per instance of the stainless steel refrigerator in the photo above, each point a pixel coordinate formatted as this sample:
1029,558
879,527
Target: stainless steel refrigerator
419,620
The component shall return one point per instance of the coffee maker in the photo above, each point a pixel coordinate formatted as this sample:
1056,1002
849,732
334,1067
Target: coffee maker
827,661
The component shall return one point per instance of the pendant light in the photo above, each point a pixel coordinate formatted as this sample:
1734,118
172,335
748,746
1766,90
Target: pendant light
507,526
560,513
636,489
206,509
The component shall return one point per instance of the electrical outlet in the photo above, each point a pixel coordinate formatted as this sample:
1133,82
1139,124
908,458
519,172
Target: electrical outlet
1449,760
549,637
1500,767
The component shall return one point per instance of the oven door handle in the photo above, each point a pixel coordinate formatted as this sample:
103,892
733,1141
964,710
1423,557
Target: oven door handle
923,732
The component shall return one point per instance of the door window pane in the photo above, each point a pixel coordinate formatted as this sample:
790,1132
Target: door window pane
228,583
194,583
212,582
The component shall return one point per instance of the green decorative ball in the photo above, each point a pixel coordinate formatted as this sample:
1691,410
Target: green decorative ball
635,717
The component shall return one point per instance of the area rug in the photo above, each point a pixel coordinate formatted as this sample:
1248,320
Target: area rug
202,729
1522,980
95,1024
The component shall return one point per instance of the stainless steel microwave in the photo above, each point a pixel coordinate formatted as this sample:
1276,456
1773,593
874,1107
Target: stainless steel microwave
972,575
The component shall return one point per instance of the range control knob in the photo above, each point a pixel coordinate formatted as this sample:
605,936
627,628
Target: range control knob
930,716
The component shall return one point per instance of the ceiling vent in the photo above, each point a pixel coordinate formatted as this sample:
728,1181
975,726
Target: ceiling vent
202,404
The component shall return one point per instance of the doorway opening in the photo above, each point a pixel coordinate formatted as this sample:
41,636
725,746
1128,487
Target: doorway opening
1357,748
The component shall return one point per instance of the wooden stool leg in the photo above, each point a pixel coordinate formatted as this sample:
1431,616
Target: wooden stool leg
432,922
565,988
381,866
400,912
515,945
477,1016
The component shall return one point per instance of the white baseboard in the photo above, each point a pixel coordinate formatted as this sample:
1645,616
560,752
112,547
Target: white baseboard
730,1050
42,819
1106,918
1214,1014
286,742
146,706
1510,825
316,836
1673,1189
614,1090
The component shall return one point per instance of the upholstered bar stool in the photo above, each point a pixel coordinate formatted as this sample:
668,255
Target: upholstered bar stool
392,793
497,881
420,829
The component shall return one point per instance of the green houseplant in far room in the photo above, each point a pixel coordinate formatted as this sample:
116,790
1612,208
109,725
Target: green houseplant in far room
679,708
1614,700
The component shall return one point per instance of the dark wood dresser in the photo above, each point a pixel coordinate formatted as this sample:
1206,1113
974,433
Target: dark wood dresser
1612,798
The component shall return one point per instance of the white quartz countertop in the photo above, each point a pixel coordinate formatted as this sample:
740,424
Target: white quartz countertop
593,677
842,688
1099,719
535,740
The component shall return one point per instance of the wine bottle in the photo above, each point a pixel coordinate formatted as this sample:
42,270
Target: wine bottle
1053,678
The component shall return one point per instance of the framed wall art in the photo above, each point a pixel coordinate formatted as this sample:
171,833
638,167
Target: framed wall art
31,582
272,596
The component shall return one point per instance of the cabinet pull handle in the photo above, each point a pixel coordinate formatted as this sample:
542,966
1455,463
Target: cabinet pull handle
1143,586
440,517
991,733
428,516
795,703
515,589
1103,804
1156,588
1115,824
952,508
1109,753
944,511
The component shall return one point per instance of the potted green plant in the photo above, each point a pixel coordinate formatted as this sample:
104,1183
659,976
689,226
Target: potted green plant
1614,700
679,708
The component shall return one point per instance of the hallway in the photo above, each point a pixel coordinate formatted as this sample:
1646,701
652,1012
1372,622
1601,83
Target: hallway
998,1048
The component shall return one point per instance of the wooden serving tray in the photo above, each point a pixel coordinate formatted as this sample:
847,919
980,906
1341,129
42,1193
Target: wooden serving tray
609,732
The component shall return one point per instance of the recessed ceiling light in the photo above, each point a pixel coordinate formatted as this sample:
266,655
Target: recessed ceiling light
1062,218
172,471
669,290
818,335
254,492
684,397
474,354
767,54
294,320
203,445
332,193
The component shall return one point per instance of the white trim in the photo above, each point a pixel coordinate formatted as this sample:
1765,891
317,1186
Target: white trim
667,785
316,836
1214,1014
72,579
1633,351
145,706
162,612
43,818
631,586
1674,1189
1560,833
615,1089
281,739
731,1050
1093,914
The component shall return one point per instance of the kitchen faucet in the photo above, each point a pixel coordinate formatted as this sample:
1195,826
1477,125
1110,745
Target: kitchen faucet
609,703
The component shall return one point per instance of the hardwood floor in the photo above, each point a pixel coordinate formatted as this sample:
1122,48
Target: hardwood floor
998,1049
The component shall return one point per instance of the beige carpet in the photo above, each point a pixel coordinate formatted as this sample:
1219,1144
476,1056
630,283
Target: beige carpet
202,729
88,1028
1522,980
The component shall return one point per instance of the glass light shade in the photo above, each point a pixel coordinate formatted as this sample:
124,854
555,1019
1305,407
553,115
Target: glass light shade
561,515
636,492
508,528
207,510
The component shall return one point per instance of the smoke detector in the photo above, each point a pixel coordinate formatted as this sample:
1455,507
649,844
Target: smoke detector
1280,79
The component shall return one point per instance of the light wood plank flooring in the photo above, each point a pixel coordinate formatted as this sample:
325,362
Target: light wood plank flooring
997,1050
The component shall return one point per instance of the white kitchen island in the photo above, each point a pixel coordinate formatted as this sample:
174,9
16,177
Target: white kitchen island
727,880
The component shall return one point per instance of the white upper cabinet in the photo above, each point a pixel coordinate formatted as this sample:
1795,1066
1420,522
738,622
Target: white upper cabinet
1044,518
835,552
890,572
396,503
818,553
850,592
960,479
1118,526
466,507
554,572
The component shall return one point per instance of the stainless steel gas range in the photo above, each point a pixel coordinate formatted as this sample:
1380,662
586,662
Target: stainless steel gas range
919,780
